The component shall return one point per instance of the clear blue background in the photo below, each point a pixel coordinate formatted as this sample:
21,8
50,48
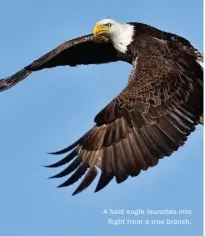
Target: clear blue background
52,108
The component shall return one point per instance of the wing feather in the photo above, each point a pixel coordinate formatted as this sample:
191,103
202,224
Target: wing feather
84,50
150,119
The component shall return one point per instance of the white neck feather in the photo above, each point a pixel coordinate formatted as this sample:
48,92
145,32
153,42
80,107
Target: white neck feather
121,36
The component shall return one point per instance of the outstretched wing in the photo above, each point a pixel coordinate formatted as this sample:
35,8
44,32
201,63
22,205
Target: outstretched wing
151,118
83,50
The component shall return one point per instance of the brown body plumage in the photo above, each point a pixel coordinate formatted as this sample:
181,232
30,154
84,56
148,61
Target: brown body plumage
151,118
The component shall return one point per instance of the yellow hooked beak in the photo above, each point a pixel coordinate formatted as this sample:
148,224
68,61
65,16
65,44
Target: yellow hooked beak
100,29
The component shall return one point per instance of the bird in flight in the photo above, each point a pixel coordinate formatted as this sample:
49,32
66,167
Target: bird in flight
153,115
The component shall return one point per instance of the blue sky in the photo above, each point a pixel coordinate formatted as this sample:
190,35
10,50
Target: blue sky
52,108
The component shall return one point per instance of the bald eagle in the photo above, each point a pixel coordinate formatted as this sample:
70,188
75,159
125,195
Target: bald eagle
153,115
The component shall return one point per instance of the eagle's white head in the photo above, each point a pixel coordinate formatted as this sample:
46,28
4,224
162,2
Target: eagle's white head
120,34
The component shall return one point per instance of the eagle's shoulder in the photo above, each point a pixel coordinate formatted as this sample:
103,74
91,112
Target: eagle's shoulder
145,36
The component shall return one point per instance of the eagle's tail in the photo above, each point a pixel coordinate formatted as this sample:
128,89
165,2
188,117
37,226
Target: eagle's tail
14,79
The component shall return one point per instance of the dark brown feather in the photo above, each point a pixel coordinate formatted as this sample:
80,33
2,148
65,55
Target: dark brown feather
65,160
75,164
150,119
88,179
84,50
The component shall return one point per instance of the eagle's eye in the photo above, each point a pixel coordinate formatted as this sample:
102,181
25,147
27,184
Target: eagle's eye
108,25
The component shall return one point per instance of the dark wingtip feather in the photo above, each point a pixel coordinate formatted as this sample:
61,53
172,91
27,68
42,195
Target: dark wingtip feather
76,192
50,166
61,185
67,149
75,164
89,178
103,181
14,79
59,152
65,160
51,177
59,175
77,174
